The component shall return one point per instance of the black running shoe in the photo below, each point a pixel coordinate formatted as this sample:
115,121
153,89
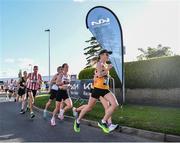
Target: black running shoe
22,111
27,109
32,115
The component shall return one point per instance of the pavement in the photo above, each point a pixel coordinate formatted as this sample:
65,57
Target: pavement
20,128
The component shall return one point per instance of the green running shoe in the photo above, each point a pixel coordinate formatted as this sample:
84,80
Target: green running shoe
76,127
104,127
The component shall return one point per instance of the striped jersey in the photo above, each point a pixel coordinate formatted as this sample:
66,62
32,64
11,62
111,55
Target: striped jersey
34,81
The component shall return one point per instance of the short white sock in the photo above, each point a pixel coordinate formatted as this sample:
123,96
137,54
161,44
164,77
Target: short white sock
109,124
103,121
78,121
61,111
74,109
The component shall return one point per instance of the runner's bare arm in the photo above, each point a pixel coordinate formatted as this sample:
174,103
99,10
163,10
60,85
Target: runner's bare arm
40,80
53,81
28,77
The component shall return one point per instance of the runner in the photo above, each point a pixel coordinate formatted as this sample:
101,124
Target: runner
101,88
2,88
53,90
62,81
22,91
15,92
34,81
10,89
105,104
6,88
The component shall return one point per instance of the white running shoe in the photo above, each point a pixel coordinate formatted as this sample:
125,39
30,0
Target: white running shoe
53,123
60,116
44,114
75,113
113,127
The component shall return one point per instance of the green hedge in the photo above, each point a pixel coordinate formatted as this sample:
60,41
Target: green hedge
86,73
155,73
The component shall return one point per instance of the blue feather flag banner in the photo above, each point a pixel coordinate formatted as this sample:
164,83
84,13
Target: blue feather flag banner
105,27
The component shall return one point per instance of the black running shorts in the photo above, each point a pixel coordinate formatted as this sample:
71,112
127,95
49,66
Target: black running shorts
62,95
97,92
21,91
53,94
10,91
33,91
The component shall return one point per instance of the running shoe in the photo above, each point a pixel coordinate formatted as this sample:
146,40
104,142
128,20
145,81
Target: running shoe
32,115
113,127
76,126
22,111
27,109
44,114
75,113
53,123
103,126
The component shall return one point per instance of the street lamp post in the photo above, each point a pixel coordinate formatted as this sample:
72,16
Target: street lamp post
48,30
30,65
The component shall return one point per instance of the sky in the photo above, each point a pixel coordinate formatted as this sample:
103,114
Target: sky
23,40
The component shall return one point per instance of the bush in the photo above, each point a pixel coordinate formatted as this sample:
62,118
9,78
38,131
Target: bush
155,73
86,73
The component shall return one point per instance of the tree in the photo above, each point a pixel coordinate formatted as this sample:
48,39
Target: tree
160,51
91,52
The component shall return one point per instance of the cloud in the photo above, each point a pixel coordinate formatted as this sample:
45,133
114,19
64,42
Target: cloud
8,73
21,62
9,60
24,62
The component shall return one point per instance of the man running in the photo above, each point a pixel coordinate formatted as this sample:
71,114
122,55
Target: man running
63,81
22,91
53,91
34,81
101,88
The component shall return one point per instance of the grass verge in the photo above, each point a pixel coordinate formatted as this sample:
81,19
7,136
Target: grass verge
158,119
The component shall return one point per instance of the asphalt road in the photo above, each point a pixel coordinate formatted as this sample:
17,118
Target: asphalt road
17,127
